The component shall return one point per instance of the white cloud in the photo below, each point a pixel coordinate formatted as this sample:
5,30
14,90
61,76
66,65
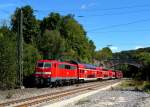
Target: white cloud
114,48
83,6
137,47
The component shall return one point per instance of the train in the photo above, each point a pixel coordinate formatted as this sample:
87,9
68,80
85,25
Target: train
55,73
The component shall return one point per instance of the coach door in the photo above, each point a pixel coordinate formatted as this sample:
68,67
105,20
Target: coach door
55,72
81,73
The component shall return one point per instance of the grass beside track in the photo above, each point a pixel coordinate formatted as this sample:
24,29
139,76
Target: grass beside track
136,85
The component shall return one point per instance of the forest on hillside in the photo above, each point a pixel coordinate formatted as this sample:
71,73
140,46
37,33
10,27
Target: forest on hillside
54,37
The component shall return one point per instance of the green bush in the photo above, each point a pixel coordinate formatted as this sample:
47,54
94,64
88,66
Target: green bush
7,60
146,86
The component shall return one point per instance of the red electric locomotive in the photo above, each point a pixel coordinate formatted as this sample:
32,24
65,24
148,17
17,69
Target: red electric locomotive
52,72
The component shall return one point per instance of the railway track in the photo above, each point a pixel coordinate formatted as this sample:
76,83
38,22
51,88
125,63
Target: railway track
53,96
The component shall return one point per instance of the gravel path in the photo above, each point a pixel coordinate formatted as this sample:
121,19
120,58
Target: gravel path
114,99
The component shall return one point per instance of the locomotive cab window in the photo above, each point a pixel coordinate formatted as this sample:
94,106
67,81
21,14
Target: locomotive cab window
45,65
40,64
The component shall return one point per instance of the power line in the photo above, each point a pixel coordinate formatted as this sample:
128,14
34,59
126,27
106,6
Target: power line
122,44
118,25
136,30
104,9
111,14
114,8
105,14
123,7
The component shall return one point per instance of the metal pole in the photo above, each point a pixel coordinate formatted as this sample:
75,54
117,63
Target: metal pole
20,49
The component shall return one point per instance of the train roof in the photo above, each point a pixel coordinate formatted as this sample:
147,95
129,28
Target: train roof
46,60
89,66
55,61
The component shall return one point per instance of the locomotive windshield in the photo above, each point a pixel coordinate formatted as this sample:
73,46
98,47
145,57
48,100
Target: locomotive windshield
43,64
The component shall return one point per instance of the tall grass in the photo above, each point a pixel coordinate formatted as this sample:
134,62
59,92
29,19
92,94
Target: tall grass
138,85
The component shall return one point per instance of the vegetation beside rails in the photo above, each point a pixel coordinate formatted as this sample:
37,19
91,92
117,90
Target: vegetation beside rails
82,101
136,85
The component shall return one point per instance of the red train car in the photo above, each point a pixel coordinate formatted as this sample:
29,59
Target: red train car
105,73
118,74
51,72
110,73
113,74
100,75
87,72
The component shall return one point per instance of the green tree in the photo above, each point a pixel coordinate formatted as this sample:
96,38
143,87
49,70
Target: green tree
92,50
52,44
76,39
31,26
52,22
7,59
104,54
77,45
31,55
145,58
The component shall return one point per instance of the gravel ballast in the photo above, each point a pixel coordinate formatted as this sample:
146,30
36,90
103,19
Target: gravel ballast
9,95
15,94
114,99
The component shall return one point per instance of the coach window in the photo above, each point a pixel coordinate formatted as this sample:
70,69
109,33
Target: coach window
72,67
47,65
67,66
61,66
81,71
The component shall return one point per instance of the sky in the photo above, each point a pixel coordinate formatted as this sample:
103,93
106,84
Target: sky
119,24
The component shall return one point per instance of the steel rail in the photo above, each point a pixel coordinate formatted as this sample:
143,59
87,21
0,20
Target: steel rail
51,96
